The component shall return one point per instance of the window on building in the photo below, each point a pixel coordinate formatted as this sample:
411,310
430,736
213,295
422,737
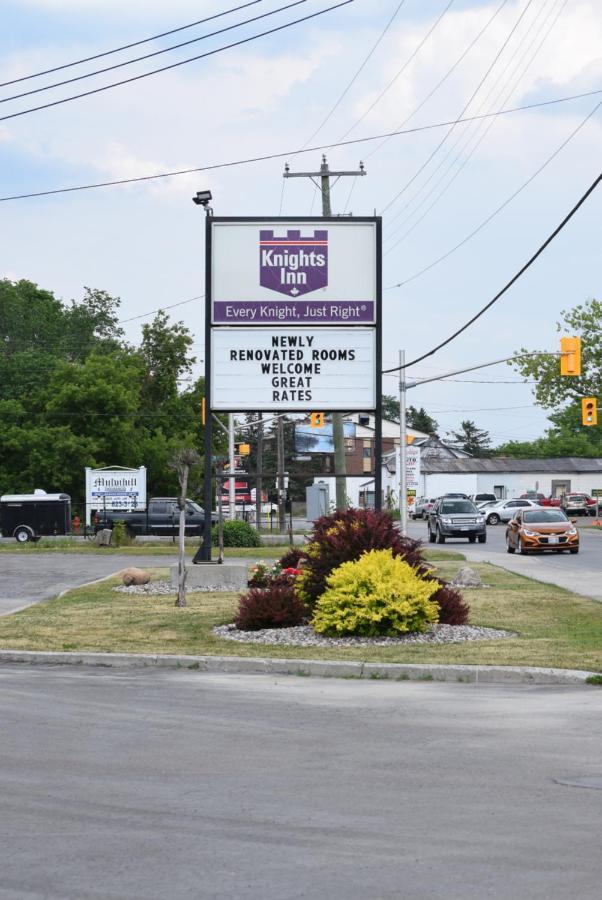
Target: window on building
499,491
367,452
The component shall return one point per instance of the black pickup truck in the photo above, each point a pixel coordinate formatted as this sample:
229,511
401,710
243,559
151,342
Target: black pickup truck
162,516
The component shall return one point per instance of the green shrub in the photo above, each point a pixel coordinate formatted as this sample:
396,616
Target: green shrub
237,534
378,594
121,537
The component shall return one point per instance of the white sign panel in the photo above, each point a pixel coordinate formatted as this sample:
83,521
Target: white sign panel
115,489
413,468
293,273
293,369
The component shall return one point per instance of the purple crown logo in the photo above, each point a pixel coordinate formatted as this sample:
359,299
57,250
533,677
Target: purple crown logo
293,265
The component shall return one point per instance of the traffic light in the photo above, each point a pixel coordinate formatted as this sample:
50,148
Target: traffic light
589,411
244,449
570,356
316,420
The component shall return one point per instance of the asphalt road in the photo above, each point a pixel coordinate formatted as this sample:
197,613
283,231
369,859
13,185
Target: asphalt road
581,572
155,784
27,578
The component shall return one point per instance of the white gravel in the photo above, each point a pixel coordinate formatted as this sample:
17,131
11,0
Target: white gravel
305,636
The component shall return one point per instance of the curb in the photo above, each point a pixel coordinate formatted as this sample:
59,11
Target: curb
304,667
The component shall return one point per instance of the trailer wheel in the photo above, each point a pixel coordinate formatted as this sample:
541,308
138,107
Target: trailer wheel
23,534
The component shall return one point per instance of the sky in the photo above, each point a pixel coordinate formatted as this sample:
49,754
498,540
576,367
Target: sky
144,242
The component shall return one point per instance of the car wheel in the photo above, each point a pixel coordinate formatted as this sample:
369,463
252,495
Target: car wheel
482,539
472,538
521,548
509,547
440,537
493,519
574,550
432,537
22,535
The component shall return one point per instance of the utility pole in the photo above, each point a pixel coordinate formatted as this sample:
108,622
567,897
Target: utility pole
325,174
232,466
259,467
403,443
281,489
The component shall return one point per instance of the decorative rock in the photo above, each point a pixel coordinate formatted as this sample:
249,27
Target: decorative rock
467,577
103,537
135,576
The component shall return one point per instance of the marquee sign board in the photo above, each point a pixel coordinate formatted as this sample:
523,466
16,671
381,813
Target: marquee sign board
285,272
115,488
293,369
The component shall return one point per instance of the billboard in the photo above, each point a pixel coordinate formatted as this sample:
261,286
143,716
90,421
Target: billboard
293,369
320,440
286,272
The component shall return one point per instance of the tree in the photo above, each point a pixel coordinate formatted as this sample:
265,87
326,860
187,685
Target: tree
471,439
390,408
181,463
421,421
165,350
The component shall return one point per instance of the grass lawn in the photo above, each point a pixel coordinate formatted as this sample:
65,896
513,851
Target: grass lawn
555,627
159,549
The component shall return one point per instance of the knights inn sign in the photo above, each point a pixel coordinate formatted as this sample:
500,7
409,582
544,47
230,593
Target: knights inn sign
292,319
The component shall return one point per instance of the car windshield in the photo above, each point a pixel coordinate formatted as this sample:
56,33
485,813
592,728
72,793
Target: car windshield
194,506
457,506
544,516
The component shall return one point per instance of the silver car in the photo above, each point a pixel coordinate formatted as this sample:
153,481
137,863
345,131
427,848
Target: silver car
422,507
504,510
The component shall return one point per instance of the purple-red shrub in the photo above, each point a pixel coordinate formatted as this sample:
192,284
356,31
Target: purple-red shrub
292,558
345,536
453,609
275,606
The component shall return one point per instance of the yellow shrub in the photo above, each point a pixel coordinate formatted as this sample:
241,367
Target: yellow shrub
378,594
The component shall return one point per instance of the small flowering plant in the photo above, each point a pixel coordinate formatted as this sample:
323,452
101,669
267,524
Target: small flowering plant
264,575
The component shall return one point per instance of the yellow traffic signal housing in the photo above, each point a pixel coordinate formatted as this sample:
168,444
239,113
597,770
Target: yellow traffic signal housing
570,358
589,411
244,449
316,420
203,420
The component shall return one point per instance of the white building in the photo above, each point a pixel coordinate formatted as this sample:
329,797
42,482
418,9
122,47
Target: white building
503,476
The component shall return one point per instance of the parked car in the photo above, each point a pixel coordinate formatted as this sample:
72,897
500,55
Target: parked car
578,505
504,510
541,529
456,517
27,517
534,495
457,496
161,517
483,498
422,507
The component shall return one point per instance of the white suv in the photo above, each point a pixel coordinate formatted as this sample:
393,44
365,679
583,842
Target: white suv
504,510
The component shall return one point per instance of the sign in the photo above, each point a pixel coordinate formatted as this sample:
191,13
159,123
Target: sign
293,369
412,469
115,488
286,272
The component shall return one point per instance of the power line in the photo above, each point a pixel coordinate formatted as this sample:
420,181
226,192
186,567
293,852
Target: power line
160,309
175,65
147,40
400,71
444,78
466,105
465,140
288,153
512,281
357,73
502,206
129,62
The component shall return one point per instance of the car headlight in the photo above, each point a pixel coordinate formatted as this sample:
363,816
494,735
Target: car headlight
528,533
480,520
572,531
446,520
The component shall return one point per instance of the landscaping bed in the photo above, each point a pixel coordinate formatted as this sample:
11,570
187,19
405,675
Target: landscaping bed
554,627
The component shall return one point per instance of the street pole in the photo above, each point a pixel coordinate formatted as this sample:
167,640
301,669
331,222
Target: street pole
232,467
338,436
259,468
281,491
403,444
